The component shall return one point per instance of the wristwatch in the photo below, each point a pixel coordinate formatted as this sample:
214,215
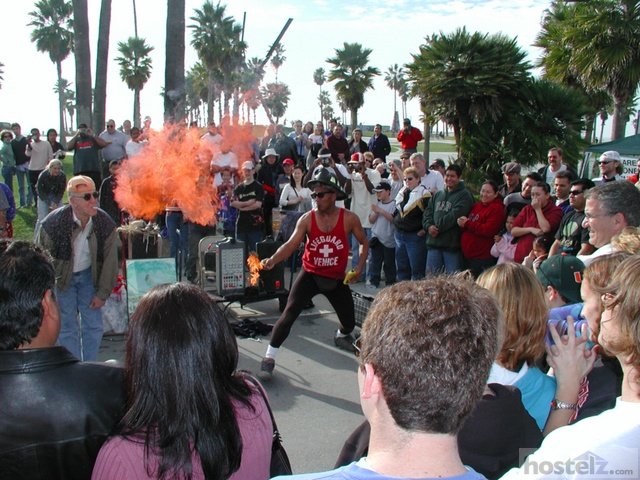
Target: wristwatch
558,405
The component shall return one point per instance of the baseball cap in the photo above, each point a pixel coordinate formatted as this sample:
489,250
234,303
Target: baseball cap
439,163
382,186
511,167
355,158
248,165
75,183
610,156
288,161
564,273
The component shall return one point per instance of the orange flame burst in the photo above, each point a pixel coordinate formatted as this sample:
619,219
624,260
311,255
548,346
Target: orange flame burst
174,170
253,262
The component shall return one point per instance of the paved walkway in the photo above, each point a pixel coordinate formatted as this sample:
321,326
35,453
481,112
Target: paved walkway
314,392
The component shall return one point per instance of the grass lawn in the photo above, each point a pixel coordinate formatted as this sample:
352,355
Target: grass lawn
25,220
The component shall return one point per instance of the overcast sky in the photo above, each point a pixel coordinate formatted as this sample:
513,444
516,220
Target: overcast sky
393,30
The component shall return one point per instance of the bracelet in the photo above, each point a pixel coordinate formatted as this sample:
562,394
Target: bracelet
559,405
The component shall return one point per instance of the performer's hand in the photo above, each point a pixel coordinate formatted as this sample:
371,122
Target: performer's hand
96,303
352,276
266,264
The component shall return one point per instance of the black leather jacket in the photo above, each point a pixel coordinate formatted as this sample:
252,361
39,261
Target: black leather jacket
55,413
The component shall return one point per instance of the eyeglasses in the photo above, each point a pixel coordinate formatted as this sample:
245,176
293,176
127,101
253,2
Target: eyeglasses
85,196
357,347
589,216
575,193
315,195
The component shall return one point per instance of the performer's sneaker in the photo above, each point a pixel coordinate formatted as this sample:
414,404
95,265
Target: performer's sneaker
266,367
345,343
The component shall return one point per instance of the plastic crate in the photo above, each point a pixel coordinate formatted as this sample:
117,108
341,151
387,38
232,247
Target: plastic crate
361,305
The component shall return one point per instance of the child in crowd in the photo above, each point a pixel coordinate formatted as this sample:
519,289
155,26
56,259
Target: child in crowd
227,215
382,243
504,249
539,253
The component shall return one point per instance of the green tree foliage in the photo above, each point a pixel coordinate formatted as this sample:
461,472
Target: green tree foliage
216,39
135,69
393,79
278,58
352,75
481,85
597,43
275,97
52,22
319,78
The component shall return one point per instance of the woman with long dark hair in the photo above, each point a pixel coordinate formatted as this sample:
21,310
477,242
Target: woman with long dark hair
190,414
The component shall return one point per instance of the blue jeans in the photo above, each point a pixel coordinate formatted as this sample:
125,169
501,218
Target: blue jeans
410,255
447,261
178,233
377,256
80,334
250,239
355,253
7,174
22,173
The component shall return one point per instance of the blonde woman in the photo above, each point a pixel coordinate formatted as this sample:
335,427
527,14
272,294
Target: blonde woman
521,297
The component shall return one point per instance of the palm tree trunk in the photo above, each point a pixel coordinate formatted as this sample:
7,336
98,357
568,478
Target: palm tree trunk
174,91
588,131
619,122
135,19
136,106
63,139
394,126
102,62
210,97
354,118
83,61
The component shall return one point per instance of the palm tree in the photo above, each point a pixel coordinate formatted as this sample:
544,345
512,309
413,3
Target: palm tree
82,53
324,101
278,58
252,75
352,75
468,77
174,81
135,69
52,34
102,62
603,43
61,87
556,60
216,39
393,78
403,91
275,97
196,88
319,78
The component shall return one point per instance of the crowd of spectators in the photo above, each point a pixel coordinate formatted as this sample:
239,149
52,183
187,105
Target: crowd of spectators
556,269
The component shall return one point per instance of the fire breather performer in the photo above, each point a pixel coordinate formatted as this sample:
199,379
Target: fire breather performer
327,229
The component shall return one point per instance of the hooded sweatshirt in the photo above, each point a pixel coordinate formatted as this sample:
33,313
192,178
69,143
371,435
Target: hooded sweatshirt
443,211
484,222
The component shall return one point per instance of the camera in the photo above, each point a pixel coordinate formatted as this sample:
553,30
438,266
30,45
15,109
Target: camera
562,327
325,161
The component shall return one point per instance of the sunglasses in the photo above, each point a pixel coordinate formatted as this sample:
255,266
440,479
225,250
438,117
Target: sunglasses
408,179
85,196
575,193
315,195
604,163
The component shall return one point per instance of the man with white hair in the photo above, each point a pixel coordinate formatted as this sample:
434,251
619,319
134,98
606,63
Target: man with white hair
610,167
432,180
81,238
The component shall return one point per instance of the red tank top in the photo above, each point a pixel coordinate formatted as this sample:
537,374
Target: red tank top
327,254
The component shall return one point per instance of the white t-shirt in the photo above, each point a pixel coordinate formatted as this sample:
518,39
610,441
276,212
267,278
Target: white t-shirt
432,181
595,447
551,176
223,160
382,228
361,199
134,148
